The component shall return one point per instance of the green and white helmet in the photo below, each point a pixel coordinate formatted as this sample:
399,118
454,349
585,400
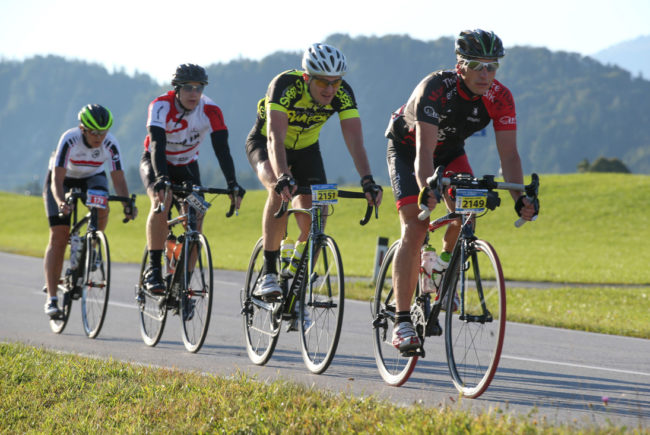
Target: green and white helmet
95,117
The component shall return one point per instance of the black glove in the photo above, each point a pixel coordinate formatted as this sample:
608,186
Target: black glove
369,186
284,180
161,183
232,186
519,204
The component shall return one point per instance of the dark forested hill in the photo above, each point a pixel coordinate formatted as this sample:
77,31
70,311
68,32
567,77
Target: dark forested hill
569,107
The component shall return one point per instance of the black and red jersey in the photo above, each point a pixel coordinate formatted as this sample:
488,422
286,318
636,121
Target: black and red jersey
442,99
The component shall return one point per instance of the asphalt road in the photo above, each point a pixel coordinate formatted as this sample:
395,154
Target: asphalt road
560,375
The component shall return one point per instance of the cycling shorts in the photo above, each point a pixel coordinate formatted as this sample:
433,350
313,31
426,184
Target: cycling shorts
177,174
306,164
401,161
97,181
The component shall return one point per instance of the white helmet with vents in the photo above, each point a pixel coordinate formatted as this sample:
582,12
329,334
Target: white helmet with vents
324,60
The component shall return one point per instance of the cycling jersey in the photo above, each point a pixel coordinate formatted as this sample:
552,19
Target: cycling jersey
289,93
442,99
184,130
82,161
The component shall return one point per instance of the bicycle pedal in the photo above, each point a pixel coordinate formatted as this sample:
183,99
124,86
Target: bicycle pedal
419,352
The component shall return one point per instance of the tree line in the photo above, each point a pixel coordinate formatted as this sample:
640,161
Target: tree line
570,108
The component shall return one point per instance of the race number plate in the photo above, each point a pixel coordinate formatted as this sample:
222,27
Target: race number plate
322,194
96,198
471,200
197,203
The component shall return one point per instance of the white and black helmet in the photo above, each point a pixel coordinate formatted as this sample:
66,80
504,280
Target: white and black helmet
324,60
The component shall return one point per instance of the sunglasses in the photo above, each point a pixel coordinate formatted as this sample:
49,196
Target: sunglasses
96,132
477,65
189,88
324,83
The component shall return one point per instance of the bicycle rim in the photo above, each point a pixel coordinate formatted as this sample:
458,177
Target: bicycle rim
96,287
321,317
474,342
196,296
152,308
394,368
262,319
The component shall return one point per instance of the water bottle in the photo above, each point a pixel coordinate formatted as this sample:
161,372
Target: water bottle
75,250
428,260
290,270
172,252
286,250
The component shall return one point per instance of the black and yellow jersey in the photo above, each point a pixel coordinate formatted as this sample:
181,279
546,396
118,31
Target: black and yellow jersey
288,92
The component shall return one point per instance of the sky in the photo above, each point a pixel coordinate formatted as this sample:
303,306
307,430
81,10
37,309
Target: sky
153,37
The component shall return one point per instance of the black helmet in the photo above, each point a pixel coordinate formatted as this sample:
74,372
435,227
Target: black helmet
95,117
189,72
477,43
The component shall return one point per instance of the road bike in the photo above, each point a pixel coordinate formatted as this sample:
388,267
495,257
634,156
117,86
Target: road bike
475,307
188,273
318,285
86,272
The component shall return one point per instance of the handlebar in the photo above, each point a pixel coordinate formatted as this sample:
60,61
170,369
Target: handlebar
306,190
186,188
76,193
437,182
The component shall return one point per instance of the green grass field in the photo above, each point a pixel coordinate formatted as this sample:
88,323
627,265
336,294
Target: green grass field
592,229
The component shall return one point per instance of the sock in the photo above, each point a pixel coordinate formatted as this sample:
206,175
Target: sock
270,262
402,316
155,256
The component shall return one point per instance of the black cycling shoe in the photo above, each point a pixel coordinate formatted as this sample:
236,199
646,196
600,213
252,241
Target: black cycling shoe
153,281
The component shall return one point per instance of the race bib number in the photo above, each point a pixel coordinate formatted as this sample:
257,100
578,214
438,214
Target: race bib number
322,194
197,203
471,200
96,198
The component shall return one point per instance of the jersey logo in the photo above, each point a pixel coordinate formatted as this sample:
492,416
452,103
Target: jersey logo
181,123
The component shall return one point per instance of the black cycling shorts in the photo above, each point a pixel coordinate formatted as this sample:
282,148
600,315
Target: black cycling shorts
97,182
306,164
177,174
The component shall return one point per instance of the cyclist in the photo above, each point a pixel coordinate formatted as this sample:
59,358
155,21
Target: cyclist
283,146
430,130
177,122
77,162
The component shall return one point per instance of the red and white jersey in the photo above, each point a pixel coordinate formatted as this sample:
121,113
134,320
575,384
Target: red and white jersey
80,160
184,130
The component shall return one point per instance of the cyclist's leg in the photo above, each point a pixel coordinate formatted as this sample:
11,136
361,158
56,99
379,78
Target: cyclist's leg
99,182
58,239
156,227
273,229
459,165
407,255
307,169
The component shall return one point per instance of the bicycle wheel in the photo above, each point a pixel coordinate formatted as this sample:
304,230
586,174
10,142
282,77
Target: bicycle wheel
152,308
64,296
96,285
474,334
322,302
394,368
196,294
262,319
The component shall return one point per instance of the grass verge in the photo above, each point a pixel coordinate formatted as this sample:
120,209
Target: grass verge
48,392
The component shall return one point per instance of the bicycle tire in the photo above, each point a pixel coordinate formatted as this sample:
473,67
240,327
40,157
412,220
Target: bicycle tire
474,344
394,368
324,301
96,284
63,293
152,308
262,320
197,292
